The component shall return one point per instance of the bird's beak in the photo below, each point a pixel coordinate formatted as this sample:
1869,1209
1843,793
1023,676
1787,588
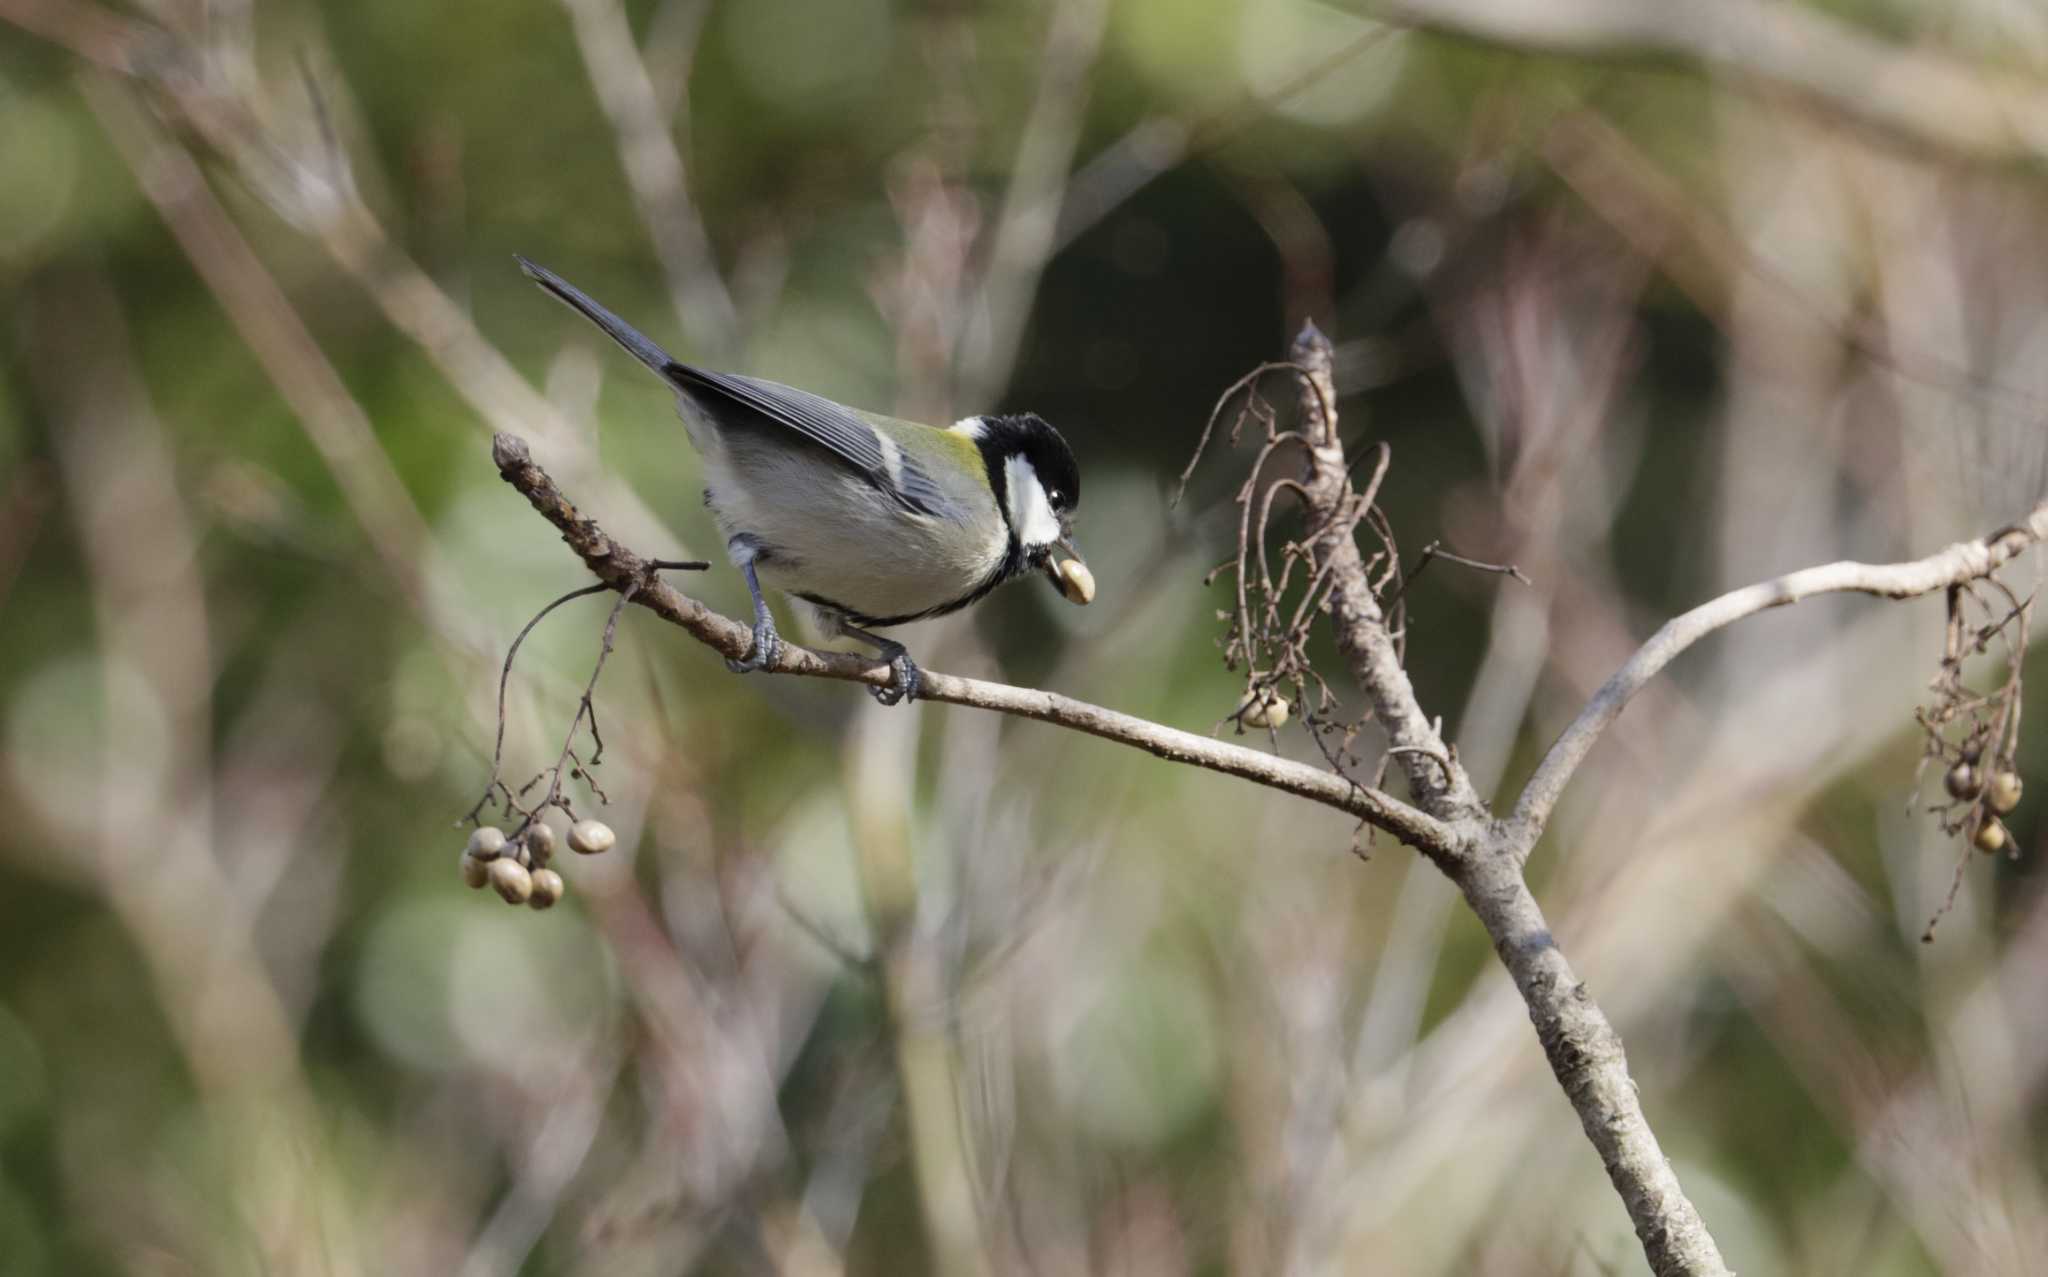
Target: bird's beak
1070,576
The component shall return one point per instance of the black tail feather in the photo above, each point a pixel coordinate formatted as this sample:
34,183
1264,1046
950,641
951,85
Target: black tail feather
636,342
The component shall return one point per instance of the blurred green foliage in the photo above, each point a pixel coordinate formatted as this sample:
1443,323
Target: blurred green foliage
1153,991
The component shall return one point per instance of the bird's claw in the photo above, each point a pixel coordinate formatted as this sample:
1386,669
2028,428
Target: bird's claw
906,683
767,649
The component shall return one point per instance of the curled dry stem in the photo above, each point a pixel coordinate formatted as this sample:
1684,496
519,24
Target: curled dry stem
1272,621
1273,617
1246,385
493,785
568,764
1972,737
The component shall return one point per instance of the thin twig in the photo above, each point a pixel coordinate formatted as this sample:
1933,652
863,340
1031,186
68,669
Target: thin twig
1245,384
1435,550
505,678
586,709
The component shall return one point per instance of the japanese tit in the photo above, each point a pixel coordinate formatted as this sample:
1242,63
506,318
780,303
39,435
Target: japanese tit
871,520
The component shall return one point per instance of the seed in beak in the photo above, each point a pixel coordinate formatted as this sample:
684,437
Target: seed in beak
1077,583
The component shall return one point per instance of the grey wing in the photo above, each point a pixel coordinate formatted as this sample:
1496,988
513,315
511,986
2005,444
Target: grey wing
837,429
832,426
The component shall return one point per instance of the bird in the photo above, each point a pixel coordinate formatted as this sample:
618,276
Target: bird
872,521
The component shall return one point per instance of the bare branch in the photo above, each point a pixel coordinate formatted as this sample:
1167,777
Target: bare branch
1964,561
1583,1049
1368,646
622,569
1586,1054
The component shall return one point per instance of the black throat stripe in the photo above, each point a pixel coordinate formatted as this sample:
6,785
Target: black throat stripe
1013,563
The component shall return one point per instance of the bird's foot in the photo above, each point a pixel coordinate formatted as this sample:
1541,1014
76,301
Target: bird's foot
908,679
766,650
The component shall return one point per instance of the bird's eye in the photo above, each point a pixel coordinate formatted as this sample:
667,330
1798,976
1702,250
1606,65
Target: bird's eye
1056,497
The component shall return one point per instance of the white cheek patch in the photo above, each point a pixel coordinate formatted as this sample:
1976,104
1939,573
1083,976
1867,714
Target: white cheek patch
1030,512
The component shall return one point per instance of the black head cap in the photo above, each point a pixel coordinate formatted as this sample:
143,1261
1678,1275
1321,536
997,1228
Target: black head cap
1032,437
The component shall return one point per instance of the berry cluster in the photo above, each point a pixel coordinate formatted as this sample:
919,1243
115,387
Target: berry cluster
1264,707
517,867
1983,795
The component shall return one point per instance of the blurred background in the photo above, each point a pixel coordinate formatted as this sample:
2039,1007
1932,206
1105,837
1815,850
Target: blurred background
1650,300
